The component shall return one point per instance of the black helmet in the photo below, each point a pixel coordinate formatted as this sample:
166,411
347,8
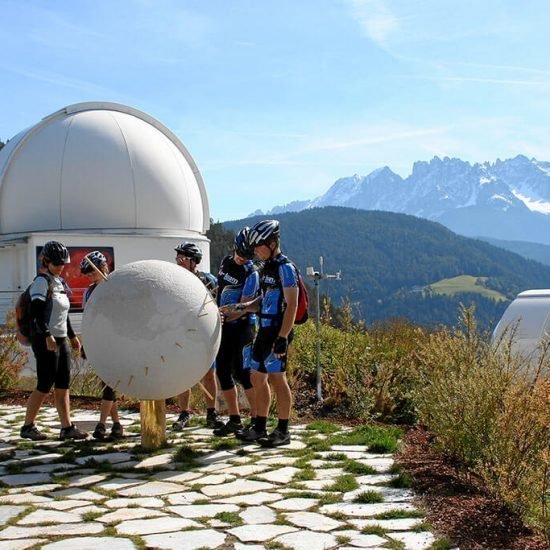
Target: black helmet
263,232
241,244
96,257
55,252
190,250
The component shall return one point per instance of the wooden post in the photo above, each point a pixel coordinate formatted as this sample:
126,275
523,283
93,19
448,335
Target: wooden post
153,423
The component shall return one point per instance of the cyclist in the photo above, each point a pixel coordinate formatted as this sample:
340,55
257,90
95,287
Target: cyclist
108,400
238,281
50,329
277,305
189,256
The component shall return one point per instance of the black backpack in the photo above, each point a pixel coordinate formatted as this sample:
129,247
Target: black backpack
23,317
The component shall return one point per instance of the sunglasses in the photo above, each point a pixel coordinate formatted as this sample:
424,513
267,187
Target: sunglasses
57,264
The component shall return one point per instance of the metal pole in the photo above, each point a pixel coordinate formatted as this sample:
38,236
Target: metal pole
318,327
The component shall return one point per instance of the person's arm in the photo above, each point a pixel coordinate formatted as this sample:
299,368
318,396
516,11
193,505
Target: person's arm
38,312
280,346
231,312
289,277
75,342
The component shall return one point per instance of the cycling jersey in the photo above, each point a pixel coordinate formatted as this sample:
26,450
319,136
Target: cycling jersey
276,274
236,281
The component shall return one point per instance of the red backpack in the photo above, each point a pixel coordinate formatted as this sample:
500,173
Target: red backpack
302,314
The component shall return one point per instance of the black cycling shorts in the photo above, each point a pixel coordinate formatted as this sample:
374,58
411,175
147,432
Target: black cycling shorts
53,368
231,363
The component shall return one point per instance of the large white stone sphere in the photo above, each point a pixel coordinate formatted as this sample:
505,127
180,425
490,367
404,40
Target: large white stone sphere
151,330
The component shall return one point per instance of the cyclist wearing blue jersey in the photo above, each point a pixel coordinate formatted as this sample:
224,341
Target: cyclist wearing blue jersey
189,256
238,281
277,307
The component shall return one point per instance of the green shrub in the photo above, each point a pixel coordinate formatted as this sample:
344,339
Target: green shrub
12,356
490,411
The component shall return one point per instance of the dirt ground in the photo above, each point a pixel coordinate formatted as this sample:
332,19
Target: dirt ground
461,508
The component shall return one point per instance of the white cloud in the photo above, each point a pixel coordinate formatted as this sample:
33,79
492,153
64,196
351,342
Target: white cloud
376,19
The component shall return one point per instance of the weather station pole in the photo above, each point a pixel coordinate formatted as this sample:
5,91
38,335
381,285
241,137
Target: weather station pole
317,276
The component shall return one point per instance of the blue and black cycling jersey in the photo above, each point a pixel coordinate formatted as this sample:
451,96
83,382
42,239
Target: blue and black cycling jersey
209,281
276,274
236,281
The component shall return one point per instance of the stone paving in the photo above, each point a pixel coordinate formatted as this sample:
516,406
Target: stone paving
200,492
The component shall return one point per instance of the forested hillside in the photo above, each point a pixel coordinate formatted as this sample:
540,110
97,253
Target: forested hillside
386,259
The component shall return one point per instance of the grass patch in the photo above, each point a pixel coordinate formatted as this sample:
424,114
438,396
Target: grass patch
344,484
379,439
354,467
342,539
187,455
441,544
369,497
336,457
225,444
90,516
422,526
395,545
272,545
232,518
329,498
402,481
14,468
318,445
305,474
400,514
373,530
323,427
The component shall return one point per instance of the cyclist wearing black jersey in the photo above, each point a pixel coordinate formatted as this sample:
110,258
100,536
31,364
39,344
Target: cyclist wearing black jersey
277,305
189,256
238,281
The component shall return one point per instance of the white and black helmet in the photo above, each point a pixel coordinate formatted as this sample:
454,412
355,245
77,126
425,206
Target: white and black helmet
263,232
189,250
97,258
56,252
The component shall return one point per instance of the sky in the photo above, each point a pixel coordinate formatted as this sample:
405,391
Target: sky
277,99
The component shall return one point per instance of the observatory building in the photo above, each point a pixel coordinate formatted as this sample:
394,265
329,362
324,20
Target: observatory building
96,176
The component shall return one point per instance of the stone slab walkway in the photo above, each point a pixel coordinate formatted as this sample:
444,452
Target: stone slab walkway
201,492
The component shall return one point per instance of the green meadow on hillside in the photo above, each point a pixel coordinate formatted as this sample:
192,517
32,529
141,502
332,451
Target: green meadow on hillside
465,283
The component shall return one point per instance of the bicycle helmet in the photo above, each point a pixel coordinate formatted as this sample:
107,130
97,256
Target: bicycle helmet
241,244
263,232
190,250
97,258
55,252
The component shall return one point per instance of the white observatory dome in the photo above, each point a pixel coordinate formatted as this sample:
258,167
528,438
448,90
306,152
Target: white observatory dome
100,166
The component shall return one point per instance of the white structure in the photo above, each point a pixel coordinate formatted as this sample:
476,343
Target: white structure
152,330
527,321
91,175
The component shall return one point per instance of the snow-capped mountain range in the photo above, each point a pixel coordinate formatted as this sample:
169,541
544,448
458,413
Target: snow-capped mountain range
508,199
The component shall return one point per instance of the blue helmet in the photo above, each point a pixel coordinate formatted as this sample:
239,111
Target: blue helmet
242,247
97,258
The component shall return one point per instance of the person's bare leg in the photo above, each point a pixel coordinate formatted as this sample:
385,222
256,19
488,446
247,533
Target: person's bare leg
209,382
105,410
262,392
184,400
114,412
231,399
34,402
251,397
62,406
283,393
